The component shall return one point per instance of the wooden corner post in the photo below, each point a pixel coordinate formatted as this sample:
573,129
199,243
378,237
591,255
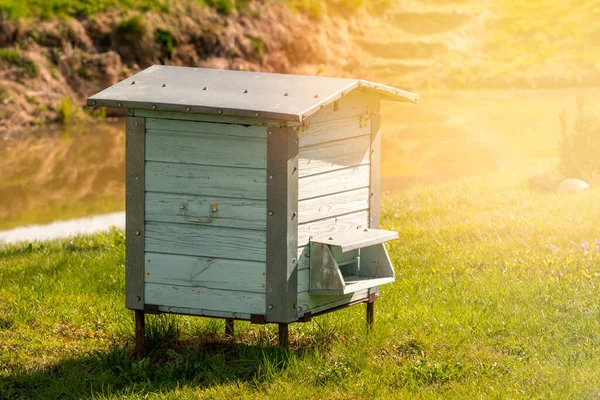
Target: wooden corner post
282,228
134,224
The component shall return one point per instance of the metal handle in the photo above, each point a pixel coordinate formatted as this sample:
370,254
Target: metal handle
198,220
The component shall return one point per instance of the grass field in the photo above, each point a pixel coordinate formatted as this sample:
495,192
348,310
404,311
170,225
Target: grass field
496,297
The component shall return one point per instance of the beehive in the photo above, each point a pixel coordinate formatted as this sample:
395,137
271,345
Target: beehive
251,196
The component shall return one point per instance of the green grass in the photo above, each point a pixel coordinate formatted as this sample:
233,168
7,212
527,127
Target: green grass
496,296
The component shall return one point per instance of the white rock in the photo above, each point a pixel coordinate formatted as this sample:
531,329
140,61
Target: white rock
572,186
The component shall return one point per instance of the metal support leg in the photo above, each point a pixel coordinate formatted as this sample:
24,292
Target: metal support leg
229,327
140,331
371,311
283,335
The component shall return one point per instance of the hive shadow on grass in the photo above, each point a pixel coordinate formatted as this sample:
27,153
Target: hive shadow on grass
170,363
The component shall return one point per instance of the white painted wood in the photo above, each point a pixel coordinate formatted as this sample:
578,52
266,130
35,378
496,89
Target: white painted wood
317,303
205,272
333,182
206,241
206,149
169,115
355,103
226,129
329,131
232,213
358,220
352,285
330,206
206,180
202,312
331,156
204,298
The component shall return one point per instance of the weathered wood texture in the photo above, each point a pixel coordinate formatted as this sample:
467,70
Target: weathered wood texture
334,182
185,209
331,156
205,217
206,180
342,223
333,205
134,265
205,298
206,149
333,185
355,103
375,182
205,272
206,241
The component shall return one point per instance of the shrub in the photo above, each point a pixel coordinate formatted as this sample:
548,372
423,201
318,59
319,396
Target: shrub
131,29
14,57
580,145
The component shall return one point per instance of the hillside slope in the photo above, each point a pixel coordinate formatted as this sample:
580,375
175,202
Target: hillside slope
48,66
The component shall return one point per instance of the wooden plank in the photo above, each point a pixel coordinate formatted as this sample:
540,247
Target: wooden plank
330,206
329,131
212,273
206,149
331,156
206,180
333,182
232,213
169,115
203,312
209,299
355,103
317,303
134,227
201,127
324,272
374,179
206,241
344,223
282,225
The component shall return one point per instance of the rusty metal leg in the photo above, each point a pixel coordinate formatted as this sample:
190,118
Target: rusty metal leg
283,335
370,311
140,331
229,327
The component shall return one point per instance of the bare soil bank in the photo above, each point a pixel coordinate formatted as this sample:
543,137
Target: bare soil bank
48,68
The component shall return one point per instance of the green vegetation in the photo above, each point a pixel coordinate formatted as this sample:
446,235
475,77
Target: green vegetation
75,8
15,58
496,295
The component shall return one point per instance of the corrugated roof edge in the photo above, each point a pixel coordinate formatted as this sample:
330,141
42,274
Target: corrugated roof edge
386,92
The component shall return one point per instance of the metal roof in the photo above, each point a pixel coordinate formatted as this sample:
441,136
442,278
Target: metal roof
235,93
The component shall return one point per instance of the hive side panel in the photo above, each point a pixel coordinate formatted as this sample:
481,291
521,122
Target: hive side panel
353,104
375,172
335,174
205,218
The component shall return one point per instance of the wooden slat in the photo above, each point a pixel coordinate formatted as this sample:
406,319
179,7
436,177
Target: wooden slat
232,213
205,241
171,115
330,206
332,156
359,220
333,182
315,304
209,299
206,180
328,131
212,273
226,129
206,149
203,312
354,103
